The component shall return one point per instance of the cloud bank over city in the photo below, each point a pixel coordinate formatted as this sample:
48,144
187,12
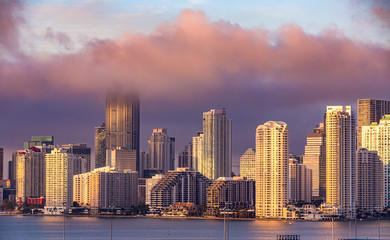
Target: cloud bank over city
194,63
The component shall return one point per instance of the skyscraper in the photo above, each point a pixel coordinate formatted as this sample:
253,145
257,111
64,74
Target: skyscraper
100,146
248,164
340,158
217,144
59,181
271,169
123,122
300,182
185,157
369,181
82,153
197,152
370,110
161,151
376,138
30,174
123,159
315,159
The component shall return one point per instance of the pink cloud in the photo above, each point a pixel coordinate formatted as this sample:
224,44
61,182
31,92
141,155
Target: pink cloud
193,57
381,9
10,21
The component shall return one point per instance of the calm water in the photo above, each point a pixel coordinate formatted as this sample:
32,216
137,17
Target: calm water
48,227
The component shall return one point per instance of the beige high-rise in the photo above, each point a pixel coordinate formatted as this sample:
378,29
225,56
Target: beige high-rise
369,111
271,169
248,164
59,181
340,158
197,152
376,138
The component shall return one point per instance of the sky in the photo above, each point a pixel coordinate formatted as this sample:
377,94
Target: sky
261,60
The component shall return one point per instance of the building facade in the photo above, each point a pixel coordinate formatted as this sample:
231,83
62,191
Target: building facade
197,151
106,187
149,184
182,185
100,146
376,138
123,122
231,192
369,181
271,169
217,145
30,174
123,159
369,111
59,181
185,157
161,151
248,164
1,163
300,182
340,158
39,141
315,159
82,154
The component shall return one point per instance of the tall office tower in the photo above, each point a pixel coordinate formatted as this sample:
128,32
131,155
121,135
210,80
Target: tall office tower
376,138
161,151
39,141
315,159
106,187
340,158
182,185
370,110
271,169
369,181
197,152
100,146
83,153
230,192
248,164
141,191
30,174
217,144
143,159
299,182
1,163
123,159
123,122
185,157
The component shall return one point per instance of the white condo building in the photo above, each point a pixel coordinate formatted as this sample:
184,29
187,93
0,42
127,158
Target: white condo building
340,158
59,181
271,169
161,151
217,145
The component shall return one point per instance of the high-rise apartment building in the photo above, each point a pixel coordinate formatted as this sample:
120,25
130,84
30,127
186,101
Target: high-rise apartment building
1,163
299,182
271,169
315,159
106,187
59,181
217,144
100,146
39,141
12,167
369,181
161,151
123,122
30,174
376,137
230,192
370,110
197,151
149,184
340,158
182,185
248,164
82,153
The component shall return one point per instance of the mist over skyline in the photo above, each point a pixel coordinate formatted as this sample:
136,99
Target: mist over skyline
192,60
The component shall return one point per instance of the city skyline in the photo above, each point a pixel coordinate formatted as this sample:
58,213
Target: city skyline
292,75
